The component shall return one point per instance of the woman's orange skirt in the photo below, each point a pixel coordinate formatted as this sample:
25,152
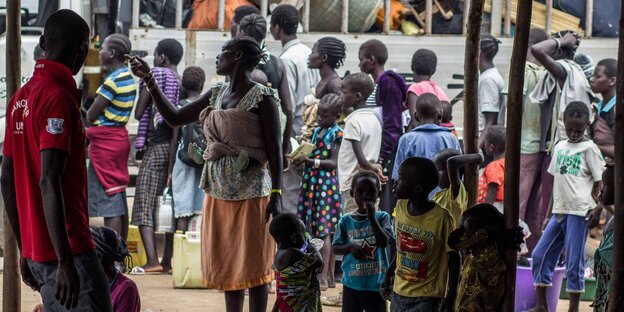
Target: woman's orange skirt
237,249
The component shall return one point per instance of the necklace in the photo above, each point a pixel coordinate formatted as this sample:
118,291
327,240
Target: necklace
358,214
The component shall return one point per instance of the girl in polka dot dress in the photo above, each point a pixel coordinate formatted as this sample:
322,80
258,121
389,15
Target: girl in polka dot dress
320,204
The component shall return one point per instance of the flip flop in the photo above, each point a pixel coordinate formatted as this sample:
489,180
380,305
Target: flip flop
137,270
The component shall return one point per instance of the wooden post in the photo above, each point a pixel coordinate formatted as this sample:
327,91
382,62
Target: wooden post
429,16
386,24
507,17
221,15
471,90
512,149
136,5
264,8
12,281
549,9
306,16
178,14
589,18
345,16
616,296
497,17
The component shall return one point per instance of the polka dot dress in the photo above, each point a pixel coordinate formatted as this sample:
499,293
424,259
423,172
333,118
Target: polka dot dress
320,204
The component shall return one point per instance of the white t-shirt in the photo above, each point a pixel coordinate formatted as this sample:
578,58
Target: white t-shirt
576,167
491,99
361,125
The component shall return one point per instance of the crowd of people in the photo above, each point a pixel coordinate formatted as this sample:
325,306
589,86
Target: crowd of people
381,191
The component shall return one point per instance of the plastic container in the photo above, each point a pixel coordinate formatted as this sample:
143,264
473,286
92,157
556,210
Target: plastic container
525,291
588,295
186,265
135,246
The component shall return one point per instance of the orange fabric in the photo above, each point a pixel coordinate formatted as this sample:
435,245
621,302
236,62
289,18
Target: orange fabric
237,249
205,13
493,173
396,12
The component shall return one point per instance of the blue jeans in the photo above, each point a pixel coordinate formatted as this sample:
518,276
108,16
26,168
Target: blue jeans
401,304
562,231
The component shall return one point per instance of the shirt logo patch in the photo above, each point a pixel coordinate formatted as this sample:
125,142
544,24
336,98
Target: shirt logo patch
55,125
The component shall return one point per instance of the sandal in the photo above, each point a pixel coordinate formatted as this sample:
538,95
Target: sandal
137,270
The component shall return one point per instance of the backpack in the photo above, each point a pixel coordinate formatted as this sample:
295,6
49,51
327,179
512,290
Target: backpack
193,145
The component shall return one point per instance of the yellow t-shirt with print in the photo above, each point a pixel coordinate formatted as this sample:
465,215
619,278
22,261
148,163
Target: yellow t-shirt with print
422,260
456,206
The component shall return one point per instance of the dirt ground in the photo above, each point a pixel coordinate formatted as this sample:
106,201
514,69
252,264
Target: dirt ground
157,294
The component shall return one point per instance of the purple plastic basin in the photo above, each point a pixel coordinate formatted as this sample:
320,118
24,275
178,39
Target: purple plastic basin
525,291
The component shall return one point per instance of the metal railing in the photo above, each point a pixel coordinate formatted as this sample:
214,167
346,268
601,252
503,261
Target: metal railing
497,16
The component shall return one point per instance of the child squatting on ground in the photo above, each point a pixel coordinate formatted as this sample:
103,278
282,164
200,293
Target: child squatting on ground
297,264
577,166
363,237
320,204
424,266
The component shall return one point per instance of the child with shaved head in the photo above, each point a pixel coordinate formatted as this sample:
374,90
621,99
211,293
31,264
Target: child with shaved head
429,138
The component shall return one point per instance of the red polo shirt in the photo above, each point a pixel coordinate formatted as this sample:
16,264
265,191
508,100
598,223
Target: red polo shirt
45,114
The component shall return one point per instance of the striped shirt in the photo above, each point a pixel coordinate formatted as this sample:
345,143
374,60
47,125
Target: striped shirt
119,89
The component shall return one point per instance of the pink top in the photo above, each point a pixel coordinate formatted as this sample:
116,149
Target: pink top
125,295
429,86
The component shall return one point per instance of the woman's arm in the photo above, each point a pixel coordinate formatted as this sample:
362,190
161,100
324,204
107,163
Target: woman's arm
97,108
173,116
270,126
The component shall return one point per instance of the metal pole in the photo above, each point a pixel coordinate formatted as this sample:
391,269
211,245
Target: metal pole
386,25
512,149
507,17
136,5
471,90
549,9
589,18
11,281
306,16
264,8
465,16
221,16
616,296
178,14
345,16
429,16
497,17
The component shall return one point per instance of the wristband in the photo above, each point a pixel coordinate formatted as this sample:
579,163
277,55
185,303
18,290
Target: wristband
558,43
317,163
149,81
276,191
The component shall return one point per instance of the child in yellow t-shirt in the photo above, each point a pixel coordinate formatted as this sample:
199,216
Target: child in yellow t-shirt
453,195
424,262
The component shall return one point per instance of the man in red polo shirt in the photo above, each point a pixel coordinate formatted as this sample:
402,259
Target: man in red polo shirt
44,180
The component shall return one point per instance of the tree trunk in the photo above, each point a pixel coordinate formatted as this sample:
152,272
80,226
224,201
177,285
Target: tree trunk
471,90
616,295
11,283
512,149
